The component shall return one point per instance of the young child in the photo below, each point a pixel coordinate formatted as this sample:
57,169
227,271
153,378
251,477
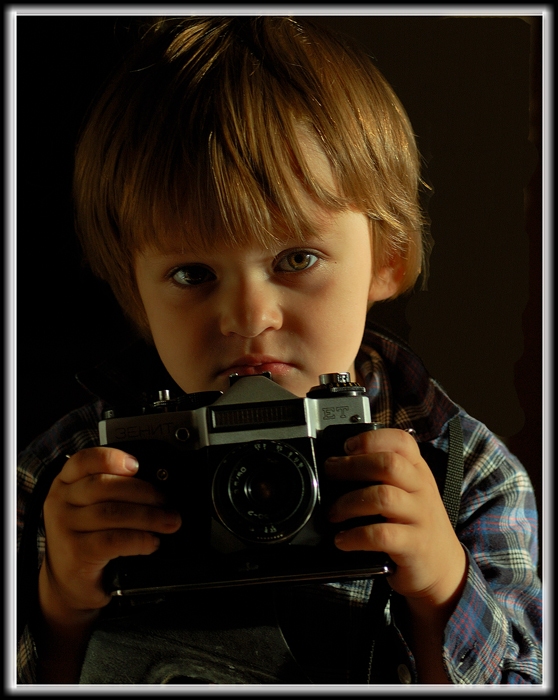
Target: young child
249,187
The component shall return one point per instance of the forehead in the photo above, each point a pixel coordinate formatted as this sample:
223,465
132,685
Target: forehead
189,241
237,218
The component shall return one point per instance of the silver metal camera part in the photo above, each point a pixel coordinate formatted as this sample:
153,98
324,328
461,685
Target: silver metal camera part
253,408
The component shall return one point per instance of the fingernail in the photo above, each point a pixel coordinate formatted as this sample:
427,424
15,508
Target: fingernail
352,443
339,538
131,463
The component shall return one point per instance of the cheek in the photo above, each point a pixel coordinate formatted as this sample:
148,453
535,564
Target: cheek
166,315
334,320
178,327
171,329
346,303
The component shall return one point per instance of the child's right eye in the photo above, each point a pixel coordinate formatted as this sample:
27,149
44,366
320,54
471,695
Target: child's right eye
192,275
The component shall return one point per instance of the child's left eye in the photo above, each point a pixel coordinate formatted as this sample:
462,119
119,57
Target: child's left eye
297,261
192,275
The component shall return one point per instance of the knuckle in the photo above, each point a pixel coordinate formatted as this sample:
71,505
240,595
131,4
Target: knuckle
381,535
108,456
384,496
367,439
93,481
114,539
128,542
409,442
88,454
389,462
104,458
113,511
102,479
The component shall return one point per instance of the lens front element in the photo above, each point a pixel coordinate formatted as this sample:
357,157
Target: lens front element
264,491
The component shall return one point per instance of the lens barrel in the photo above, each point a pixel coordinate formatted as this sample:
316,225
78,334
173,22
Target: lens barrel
264,491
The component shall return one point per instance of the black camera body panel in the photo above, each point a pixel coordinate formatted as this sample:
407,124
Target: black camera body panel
245,472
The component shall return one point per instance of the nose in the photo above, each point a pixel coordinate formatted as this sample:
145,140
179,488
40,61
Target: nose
250,307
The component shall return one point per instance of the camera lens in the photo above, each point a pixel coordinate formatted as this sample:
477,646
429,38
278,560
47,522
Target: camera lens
267,489
264,491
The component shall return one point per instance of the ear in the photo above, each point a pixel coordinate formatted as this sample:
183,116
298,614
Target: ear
386,283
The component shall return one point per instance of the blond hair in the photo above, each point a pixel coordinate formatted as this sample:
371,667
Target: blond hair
196,136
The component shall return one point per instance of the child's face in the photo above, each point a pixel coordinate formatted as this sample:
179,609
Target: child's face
295,311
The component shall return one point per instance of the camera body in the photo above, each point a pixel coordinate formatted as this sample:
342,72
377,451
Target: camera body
245,470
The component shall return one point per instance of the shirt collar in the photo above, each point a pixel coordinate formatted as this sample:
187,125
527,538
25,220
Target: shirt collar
402,393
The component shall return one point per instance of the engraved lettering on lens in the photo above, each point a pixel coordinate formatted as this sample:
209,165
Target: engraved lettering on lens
264,491
237,477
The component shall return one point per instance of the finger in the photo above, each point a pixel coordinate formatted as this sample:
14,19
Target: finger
391,538
384,440
109,515
97,460
97,548
388,501
96,488
386,467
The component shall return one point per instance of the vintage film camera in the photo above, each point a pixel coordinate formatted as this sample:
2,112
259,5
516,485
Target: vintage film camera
244,468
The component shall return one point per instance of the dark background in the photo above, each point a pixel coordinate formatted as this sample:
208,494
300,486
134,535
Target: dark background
471,86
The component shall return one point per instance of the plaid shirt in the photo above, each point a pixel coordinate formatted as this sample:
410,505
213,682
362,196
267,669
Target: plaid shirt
494,634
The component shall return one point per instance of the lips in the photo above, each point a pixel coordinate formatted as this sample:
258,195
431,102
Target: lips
256,364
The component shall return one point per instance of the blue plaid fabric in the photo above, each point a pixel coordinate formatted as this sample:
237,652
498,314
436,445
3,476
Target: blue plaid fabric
494,635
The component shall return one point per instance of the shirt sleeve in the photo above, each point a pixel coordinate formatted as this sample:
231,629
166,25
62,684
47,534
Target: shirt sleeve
494,635
26,658
76,431
28,471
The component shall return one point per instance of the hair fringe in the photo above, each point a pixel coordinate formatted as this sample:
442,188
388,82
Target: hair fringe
198,138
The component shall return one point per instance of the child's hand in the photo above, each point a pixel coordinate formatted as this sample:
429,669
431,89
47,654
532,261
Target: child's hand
95,511
417,534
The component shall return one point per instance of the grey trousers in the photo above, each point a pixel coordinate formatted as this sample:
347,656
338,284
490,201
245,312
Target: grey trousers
217,637
246,635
